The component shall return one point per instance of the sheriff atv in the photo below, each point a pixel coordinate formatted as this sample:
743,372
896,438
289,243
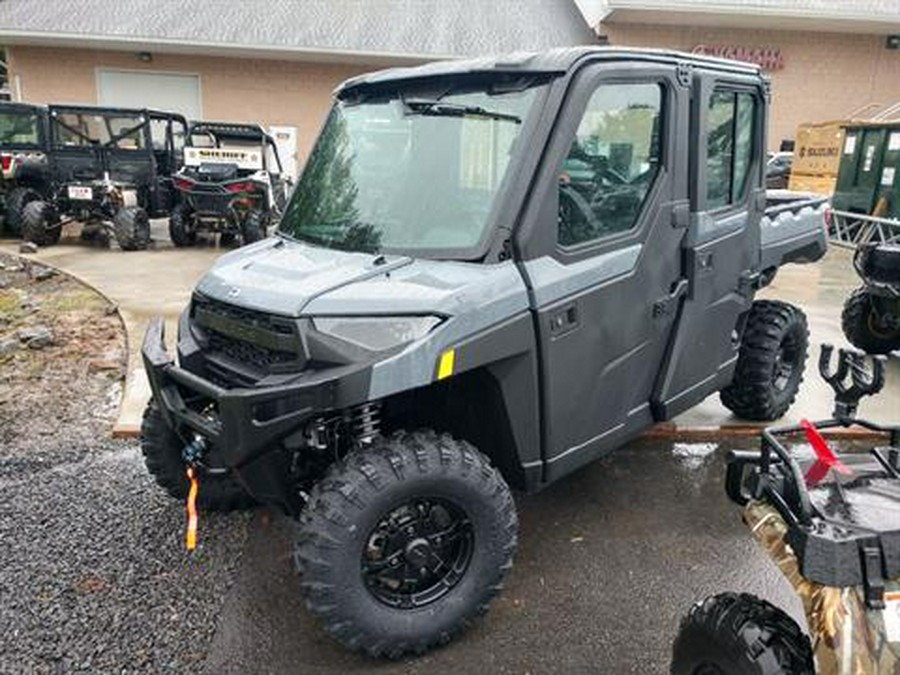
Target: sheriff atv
231,183
447,311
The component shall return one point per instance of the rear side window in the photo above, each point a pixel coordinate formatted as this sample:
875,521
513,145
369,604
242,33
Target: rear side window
611,164
730,124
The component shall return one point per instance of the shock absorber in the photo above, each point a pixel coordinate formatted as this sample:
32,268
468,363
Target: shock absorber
364,422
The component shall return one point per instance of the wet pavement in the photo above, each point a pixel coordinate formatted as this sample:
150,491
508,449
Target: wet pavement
609,560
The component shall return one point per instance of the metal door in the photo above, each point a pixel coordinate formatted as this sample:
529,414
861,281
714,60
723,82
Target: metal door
605,306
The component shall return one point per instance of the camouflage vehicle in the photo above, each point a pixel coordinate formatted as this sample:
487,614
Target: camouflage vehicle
833,529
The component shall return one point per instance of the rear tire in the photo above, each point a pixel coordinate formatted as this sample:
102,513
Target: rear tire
16,201
40,224
162,447
861,325
731,634
181,228
421,500
253,228
770,363
131,225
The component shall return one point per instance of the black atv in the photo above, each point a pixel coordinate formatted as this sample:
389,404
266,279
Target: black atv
110,170
871,317
230,184
832,525
23,160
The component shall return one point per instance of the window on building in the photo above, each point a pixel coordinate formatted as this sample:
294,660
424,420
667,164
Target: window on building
730,123
611,164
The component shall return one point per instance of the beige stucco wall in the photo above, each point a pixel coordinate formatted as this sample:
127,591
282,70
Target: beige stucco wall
266,91
826,76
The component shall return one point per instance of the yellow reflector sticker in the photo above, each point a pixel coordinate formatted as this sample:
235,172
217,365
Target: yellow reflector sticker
445,367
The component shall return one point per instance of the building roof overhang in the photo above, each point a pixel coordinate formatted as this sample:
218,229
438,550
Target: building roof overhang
839,17
175,46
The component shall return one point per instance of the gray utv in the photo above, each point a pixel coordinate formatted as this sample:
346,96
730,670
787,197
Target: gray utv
490,273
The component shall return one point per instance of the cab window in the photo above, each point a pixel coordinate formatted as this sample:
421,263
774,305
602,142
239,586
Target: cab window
611,164
730,123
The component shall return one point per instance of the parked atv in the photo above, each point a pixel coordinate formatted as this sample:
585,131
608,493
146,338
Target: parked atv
438,317
24,164
871,317
832,525
110,170
230,184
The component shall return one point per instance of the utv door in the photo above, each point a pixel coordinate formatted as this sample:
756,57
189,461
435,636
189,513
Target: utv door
601,239
722,249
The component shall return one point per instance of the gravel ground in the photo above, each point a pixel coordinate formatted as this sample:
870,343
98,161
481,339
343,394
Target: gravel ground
93,572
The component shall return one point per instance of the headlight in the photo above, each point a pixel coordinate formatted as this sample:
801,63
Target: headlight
376,333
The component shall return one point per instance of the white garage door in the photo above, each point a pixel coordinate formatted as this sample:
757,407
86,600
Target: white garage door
162,91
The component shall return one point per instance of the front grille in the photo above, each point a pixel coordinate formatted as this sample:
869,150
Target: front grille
246,352
254,341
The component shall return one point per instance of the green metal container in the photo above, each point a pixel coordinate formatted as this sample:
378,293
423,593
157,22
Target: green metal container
869,169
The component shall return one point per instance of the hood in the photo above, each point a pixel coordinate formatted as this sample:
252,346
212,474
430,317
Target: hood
293,279
281,277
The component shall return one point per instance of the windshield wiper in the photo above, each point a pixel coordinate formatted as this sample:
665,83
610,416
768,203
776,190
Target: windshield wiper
437,108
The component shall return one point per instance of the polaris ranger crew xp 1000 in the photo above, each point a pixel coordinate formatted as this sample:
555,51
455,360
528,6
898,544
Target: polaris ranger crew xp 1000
446,310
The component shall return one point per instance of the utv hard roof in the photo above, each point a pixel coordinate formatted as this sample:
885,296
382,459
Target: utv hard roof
230,129
554,61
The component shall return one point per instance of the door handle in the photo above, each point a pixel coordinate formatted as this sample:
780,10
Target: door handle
665,306
564,320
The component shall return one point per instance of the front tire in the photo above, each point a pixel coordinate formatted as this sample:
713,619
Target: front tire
40,224
182,231
862,326
16,201
770,363
731,634
162,447
131,226
403,543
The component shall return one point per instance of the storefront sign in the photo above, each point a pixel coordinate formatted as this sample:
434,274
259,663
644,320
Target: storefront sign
765,58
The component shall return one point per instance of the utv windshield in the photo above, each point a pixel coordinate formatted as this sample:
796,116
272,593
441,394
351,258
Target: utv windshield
90,129
408,173
19,129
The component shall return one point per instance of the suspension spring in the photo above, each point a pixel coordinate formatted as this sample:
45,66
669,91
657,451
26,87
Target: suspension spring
365,422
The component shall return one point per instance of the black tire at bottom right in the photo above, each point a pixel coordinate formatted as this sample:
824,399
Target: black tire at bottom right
740,634
770,364
863,327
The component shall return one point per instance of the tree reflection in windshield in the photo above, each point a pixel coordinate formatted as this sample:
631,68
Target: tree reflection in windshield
384,175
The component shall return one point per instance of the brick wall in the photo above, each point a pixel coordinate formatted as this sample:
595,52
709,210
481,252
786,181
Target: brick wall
826,76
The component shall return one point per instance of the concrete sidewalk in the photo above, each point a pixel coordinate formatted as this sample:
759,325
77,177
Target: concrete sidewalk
158,282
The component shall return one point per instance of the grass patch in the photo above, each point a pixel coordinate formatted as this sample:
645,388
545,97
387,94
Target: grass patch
79,299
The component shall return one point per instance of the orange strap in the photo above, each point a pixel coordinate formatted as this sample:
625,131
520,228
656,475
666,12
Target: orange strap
191,536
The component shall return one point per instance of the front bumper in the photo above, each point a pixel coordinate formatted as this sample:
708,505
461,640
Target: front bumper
242,424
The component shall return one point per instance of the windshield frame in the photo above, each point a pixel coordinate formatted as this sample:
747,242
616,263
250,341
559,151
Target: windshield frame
500,216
